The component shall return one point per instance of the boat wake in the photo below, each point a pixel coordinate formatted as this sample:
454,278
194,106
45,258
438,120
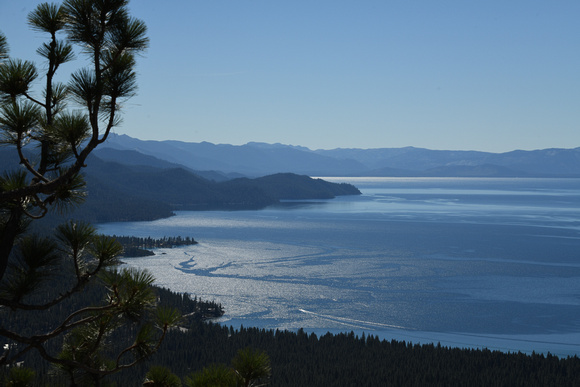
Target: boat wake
557,344
353,322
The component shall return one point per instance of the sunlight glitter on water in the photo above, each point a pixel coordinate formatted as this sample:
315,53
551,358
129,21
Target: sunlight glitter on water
479,271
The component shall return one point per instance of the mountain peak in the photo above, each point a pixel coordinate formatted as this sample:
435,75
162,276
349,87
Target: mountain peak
265,145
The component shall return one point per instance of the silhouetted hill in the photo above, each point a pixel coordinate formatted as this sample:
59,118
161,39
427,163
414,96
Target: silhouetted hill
259,159
176,187
295,187
181,189
105,203
142,187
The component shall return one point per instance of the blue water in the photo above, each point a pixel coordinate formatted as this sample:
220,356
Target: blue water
466,262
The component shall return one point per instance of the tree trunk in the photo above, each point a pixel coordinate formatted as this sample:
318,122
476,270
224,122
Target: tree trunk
9,233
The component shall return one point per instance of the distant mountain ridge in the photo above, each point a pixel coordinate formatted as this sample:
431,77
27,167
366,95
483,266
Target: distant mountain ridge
259,159
125,185
254,159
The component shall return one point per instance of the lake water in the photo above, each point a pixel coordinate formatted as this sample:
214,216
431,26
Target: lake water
489,263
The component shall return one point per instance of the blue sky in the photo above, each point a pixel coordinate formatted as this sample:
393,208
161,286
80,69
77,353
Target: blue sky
479,75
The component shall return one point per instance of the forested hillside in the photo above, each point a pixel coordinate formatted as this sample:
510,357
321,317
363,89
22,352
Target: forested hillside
145,188
301,359
129,192
193,309
134,192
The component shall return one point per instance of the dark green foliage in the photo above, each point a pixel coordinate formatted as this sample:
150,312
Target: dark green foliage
161,377
137,247
301,359
134,252
3,47
42,276
19,377
215,375
193,310
86,338
251,366
49,142
154,243
33,263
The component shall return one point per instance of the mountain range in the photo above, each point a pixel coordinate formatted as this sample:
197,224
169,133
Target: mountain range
129,186
223,161
132,179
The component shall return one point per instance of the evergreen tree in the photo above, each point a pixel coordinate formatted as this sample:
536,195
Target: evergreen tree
252,367
50,142
3,48
158,376
216,375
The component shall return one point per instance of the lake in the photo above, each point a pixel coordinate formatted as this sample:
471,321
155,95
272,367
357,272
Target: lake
466,262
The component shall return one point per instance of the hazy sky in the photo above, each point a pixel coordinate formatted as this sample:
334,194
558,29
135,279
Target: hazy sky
490,75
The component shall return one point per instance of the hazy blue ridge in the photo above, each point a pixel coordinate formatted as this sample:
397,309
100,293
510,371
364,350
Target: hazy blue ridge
135,158
260,159
251,160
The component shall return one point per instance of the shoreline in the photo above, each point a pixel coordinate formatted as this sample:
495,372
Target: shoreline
562,345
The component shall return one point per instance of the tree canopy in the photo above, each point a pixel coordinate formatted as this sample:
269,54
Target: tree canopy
50,133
